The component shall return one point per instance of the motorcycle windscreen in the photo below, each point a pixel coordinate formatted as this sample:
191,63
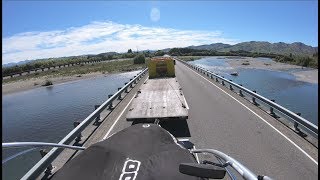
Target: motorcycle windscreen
143,152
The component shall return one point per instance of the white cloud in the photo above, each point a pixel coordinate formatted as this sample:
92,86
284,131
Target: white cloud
98,37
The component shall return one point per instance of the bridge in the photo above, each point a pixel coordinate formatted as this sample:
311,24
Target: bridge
219,118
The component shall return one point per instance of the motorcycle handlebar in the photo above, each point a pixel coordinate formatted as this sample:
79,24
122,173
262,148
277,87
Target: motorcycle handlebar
241,169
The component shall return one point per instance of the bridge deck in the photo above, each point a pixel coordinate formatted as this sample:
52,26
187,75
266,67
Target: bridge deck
220,119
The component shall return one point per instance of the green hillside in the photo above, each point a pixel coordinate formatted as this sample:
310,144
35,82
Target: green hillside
296,48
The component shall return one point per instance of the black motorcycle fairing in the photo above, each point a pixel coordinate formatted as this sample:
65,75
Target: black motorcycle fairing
141,151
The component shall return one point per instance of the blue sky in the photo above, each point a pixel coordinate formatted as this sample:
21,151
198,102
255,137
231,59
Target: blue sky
42,29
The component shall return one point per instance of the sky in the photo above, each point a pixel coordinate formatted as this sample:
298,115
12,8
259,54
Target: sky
45,29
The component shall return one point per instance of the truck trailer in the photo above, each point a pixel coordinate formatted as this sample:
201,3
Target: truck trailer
160,97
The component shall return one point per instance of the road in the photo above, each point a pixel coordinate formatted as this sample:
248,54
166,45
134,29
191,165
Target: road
222,120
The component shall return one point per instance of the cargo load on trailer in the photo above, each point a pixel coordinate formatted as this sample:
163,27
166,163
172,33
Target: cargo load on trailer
160,97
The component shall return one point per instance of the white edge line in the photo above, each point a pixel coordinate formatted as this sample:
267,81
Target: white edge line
187,106
114,123
260,118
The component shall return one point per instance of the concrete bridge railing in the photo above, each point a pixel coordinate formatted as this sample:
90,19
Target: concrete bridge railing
46,161
289,115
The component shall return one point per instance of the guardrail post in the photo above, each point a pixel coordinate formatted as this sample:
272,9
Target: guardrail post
135,81
119,97
295,124
43,152
126,91
131,83
230,86
75,124
240,93
98,117
271,110
254,99
110,105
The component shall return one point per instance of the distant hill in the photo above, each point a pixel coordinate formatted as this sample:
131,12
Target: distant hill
107,53
17,63
296,48
215,46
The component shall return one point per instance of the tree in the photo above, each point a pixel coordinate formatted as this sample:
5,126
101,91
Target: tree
306,61
110,57
139,59
159,53
129,51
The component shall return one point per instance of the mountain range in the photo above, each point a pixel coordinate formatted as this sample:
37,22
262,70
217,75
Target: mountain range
296,48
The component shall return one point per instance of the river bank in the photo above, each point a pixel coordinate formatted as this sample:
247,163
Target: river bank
28,84
301,73
23,85
67,74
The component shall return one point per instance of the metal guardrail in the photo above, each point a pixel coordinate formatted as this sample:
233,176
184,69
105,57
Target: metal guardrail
39,144
296,118
40,167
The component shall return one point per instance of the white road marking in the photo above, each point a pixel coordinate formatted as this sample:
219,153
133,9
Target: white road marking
187,106
259,117
114,123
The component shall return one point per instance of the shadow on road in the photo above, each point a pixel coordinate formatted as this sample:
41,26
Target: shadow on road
178,128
